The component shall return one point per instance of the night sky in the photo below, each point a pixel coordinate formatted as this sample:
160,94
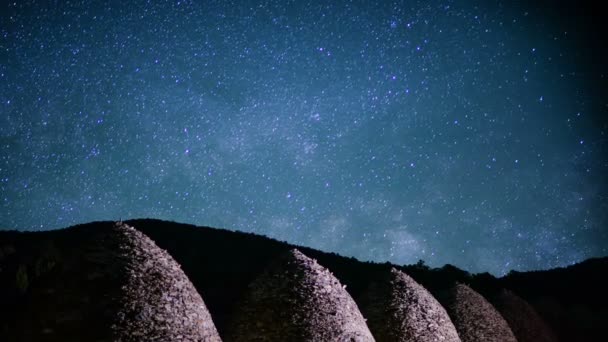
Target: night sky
465,132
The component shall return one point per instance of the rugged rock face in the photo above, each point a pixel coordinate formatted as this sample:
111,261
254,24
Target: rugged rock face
526,323
110,283
475,318
75,284
401,310
296,299
160,303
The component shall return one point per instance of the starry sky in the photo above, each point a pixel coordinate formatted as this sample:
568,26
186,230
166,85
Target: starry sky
463,132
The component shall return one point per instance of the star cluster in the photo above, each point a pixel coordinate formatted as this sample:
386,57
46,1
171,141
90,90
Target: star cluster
470,133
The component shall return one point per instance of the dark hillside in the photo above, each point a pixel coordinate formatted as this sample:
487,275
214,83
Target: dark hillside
572,299
221,265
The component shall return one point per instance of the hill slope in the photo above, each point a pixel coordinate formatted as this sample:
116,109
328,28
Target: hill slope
221,264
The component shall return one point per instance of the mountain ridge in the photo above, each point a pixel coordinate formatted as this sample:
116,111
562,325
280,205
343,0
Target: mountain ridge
221,263
230,231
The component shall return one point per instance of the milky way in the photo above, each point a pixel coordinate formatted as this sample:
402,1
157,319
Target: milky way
455,132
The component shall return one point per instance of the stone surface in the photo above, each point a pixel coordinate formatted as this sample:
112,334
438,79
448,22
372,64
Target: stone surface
475,318
296,299
106,283
525,322
160,303
399,309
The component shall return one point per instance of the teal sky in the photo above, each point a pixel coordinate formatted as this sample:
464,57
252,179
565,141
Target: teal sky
462,132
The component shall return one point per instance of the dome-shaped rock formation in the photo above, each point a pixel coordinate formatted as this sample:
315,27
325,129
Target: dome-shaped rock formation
399,309
526,323
160,302
110,283
296,299
475,318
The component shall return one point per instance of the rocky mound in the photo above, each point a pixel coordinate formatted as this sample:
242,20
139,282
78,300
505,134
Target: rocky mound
296,299
108,283
475,318
526,323
399,309
160,303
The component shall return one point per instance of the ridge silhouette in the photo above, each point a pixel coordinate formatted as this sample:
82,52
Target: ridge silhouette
35,267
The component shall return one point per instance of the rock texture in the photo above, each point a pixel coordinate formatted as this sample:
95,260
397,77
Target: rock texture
160,303
109,283
526,323
475,318
401,310
105,282
296,299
